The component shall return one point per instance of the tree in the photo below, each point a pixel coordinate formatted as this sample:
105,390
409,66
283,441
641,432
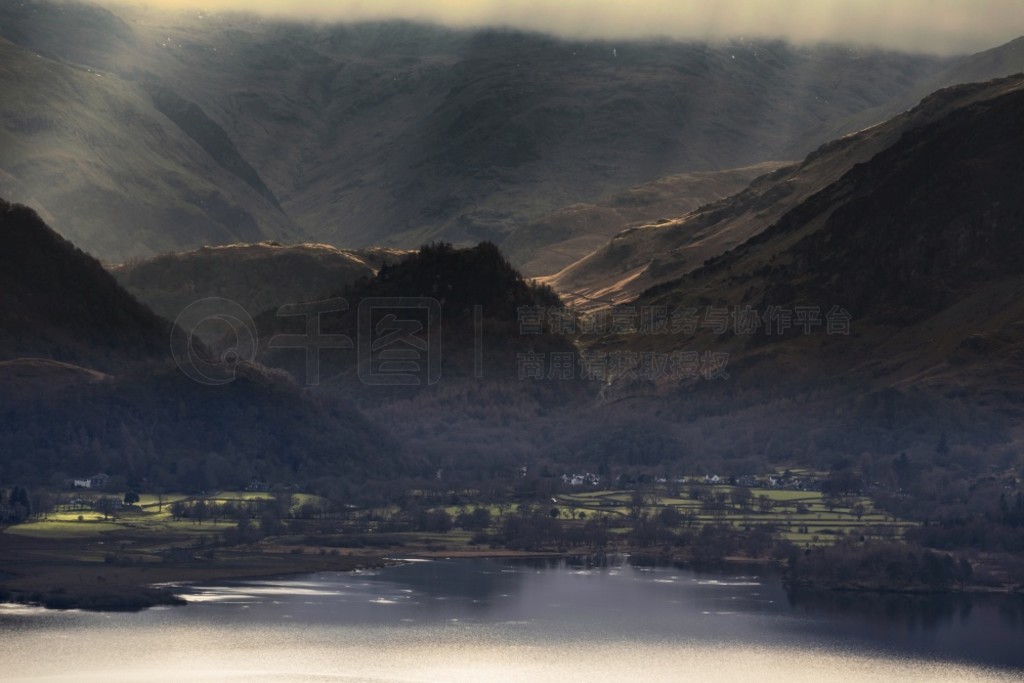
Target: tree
478,519
595,533
435,521
270,523
714,505
284,501
670,516
636,503
741,497
105,505
131,498
200,511
42,502
759,540
711,545
19,503
178,509
858,510
308,511
903,469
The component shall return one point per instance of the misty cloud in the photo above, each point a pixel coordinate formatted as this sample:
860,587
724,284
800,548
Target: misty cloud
937,26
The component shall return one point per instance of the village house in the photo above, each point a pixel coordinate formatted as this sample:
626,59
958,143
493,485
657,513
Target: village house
581,479
96,481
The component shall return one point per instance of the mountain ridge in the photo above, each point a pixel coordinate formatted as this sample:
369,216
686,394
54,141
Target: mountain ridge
257,276
918,243
644,257
390,133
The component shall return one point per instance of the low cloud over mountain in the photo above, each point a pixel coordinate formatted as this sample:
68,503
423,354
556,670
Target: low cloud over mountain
920,25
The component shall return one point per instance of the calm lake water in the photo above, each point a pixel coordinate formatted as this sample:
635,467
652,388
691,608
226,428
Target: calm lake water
500,620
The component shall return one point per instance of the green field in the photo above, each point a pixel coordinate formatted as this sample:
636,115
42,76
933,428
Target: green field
148,515
802,517
799,516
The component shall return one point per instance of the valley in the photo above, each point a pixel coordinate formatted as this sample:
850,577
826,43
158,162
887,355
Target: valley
363,289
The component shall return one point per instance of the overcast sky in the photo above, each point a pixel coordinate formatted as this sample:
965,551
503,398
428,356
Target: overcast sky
940,26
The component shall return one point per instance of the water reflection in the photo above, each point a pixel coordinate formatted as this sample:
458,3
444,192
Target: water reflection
588,618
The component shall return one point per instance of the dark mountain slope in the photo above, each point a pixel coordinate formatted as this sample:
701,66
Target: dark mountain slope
478,417
925,221
642,257
63,319
59,302
194,122
921,244
455,282
920,241
161,428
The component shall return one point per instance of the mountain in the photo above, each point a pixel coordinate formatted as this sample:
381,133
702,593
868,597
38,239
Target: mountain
915,238
183,129
998,62
556,241
451,352
464,305
256,276
896,247
640,258
559,239
90,385
115,175
159,428
56,301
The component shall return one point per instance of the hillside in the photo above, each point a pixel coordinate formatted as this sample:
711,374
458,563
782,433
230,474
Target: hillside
257,276
559,239
116,176
157,427
1000,61
919,242
90,385
463,306
643,257
183,129
58,302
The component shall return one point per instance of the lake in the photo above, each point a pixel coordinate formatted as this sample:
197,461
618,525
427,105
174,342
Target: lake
594,620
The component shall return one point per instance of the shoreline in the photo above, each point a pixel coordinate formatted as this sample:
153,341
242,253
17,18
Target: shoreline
53,580
42,574
924,591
